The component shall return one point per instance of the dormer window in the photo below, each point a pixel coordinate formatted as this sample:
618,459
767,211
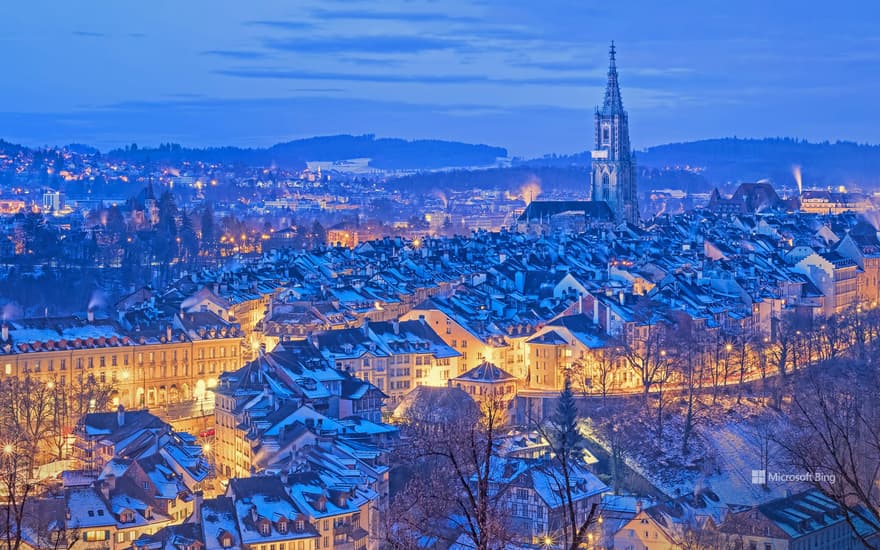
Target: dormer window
226,540
300,525
282,526
265,528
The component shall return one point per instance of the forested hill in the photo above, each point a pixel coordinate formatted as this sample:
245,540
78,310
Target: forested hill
735,160
385,153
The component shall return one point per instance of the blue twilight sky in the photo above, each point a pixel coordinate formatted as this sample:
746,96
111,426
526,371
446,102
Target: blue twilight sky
524,74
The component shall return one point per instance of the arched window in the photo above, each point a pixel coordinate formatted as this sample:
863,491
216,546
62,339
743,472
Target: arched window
606,184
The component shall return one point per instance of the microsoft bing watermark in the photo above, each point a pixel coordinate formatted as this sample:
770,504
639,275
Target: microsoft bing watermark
762,477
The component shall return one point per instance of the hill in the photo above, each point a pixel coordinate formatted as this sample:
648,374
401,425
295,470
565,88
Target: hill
736,160
385,153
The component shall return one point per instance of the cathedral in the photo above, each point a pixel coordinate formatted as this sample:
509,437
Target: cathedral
613,175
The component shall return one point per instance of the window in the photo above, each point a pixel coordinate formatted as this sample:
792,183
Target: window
265,528
93,536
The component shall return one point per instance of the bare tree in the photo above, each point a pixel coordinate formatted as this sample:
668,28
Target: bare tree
643,347
452,456
833,337
835,436
599,369
686,357
25,422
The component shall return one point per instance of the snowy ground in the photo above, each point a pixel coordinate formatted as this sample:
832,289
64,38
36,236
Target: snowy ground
728,443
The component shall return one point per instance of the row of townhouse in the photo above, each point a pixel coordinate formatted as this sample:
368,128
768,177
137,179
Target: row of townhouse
152,365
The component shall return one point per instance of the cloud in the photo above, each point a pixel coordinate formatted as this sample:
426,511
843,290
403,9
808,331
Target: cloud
236,54
560,65
89,34
370,62
365,44
409,17
289,74
282,24
320,90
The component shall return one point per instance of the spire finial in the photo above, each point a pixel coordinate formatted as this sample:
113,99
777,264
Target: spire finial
612,57
613,103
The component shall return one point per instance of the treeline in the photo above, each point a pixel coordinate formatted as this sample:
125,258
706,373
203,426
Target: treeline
386,153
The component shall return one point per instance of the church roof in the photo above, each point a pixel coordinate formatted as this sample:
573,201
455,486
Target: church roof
545,209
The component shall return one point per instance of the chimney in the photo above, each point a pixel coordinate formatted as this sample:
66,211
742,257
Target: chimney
90,315
366,326
396,324
110,482
168,333
196,516
105,489
120,415
5,332
638,506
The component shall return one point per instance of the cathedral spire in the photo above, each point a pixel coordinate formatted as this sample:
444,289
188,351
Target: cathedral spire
613,103
613,177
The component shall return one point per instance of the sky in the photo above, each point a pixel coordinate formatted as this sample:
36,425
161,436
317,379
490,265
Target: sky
522,74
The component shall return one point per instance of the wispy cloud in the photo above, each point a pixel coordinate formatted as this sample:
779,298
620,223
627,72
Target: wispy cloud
408,78
236,54
559,65
365,44
408,17
282,24
89,34
370,62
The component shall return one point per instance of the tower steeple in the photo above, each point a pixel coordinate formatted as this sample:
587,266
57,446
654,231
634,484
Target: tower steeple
613,178
613,102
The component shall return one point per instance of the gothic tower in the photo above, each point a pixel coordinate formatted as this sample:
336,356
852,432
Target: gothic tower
613,177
